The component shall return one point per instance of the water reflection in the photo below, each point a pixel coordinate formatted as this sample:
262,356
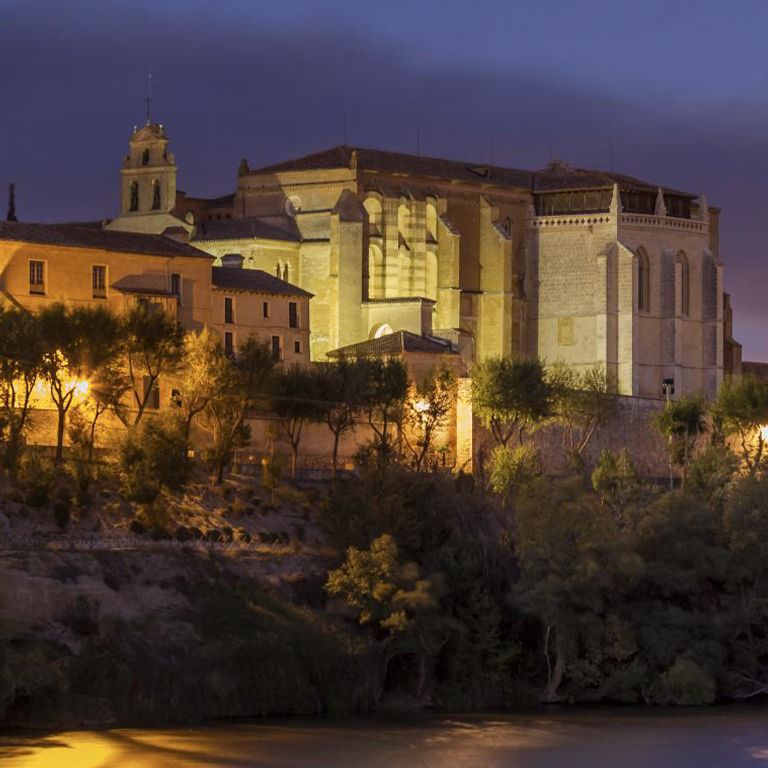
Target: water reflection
718,739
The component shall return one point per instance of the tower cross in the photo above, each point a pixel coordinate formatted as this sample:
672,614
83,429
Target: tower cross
148,98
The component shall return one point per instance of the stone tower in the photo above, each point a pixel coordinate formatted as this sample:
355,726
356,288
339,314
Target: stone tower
147,183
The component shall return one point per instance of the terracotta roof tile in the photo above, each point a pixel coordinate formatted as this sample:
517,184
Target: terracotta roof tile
265,227
71,236
394,344
253,281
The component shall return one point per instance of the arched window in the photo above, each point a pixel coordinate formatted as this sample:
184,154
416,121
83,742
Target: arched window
145,157
431,277
403,216
643,281
379,330
685,285
373,207
375,273
404,276
133,204
431,214
155,196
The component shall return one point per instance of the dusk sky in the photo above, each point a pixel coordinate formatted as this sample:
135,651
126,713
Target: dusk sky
679,88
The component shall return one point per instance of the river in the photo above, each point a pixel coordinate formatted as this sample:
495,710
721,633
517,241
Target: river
718,738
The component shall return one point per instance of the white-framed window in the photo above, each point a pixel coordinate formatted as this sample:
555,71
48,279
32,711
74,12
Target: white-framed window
37,277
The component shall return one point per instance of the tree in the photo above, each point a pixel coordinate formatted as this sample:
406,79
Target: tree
386,388
742,408
682,422
582,402
76,345
296,399
393,599
153,345
20,366
510,397
244,383
512,469
341,386
203,374
427,410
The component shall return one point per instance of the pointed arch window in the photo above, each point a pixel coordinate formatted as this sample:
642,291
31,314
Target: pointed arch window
643,281
685,285
155,196
133,204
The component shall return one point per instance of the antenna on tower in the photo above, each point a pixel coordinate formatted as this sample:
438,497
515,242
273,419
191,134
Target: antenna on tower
148,99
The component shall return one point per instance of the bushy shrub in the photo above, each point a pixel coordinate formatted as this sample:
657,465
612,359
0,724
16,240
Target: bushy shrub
62,513
136,527
514,468
153,457
35,476
685,683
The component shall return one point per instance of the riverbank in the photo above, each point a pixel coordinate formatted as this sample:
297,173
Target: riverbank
605,738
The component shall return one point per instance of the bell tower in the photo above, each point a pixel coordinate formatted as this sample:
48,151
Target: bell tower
148,175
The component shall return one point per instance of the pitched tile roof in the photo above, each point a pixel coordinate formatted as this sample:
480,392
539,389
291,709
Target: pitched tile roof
253,281
394,344
157,285
73,236
265,227
557,175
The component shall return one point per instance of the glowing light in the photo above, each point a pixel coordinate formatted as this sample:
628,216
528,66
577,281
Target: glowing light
764,433
421,406
81,387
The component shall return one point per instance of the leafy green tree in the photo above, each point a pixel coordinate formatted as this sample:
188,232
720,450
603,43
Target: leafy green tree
510,396
742,409
393,599
77,344
153,346
512,469
153,457
582,403
573,563
297,400
711,474
244,384
386,390
20,367
427,411
203,374
341,387
616,482
682,422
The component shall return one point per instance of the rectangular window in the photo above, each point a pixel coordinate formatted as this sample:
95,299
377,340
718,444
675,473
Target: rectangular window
176,285
293,315
99,281
265,309
229,310
37,277
297,347
277,352
229,343
153,390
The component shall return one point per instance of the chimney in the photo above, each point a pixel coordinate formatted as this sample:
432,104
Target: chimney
232,260
11,203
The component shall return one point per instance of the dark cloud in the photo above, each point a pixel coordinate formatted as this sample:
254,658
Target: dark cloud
73,75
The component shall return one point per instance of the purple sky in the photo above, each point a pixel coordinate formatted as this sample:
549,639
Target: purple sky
678,87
